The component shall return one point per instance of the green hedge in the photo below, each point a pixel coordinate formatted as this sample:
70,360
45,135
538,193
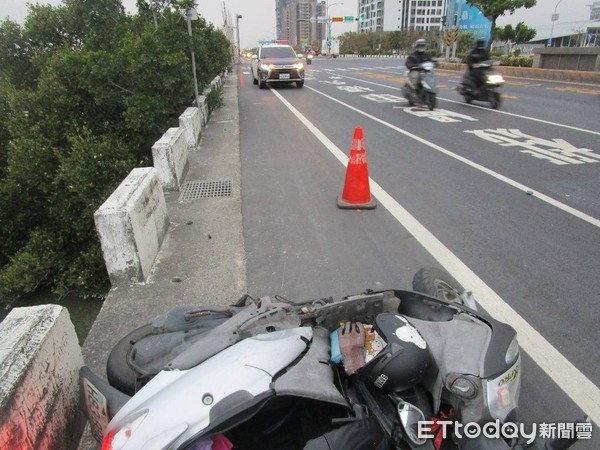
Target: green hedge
516,61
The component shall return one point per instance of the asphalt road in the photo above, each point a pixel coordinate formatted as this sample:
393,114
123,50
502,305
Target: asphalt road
508,201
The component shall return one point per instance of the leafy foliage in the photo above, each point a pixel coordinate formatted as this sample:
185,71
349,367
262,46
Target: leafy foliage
517,61
492,9
85,90
514,36
384,42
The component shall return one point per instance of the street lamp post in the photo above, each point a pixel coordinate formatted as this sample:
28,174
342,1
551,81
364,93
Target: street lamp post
237,26
327,6
554,19
192,14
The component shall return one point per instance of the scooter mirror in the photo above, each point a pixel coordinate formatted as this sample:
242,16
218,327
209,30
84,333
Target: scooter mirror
410,416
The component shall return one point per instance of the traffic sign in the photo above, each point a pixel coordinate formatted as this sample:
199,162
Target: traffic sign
337,19
348,18
321,19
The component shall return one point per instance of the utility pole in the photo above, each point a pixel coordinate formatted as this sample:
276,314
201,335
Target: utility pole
237,26
327,5
192,14
455,44
554,19
449,23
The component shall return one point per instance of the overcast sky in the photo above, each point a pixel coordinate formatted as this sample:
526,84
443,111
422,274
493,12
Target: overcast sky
258,16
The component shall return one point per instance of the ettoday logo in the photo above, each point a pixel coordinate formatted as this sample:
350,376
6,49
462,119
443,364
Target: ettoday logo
508,430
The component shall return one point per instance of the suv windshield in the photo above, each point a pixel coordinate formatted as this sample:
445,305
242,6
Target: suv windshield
277,52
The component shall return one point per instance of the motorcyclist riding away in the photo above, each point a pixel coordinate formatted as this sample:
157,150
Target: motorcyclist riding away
418,56
477,55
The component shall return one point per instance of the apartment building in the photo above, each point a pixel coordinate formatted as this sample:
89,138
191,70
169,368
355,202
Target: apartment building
297,21
391,15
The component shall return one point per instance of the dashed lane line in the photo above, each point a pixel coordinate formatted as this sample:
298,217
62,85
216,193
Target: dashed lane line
570,379
547,122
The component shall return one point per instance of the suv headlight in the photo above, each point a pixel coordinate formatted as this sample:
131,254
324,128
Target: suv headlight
265,67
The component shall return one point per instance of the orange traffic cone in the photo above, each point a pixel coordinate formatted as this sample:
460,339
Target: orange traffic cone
357,194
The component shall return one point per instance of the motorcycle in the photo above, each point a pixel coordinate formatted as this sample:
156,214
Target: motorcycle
368,371
487,92
309,58
425,91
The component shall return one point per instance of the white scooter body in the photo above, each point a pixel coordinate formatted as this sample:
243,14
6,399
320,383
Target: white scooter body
176,405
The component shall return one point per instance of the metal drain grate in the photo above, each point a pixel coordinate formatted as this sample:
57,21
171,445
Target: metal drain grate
193,190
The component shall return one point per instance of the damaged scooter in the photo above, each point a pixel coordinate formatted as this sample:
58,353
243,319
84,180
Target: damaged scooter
376,370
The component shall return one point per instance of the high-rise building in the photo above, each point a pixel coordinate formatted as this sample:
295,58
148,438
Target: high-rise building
297,21
294,17
595,11
391,15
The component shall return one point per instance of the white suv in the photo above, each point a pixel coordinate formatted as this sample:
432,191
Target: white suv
277,63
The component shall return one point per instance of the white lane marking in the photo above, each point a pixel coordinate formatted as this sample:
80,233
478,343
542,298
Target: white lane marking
566,208
483,107
570,379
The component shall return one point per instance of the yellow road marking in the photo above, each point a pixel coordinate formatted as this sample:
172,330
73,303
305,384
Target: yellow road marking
378,75
523,83
581,90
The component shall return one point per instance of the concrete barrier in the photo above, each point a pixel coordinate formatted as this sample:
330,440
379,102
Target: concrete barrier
535,73
191,124
579,59
39,367
170,157
204,112
131,225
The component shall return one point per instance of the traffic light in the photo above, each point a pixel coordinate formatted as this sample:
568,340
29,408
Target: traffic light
359,19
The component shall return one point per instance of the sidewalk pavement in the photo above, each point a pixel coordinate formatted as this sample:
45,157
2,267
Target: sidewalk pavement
202,259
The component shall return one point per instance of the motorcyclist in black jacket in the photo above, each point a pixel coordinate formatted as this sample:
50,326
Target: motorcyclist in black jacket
418,56
477,55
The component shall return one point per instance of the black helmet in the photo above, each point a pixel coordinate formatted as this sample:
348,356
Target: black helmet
420,45
405,359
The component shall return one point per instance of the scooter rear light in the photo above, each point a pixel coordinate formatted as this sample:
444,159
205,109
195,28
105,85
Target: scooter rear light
512,352
117,438
107,442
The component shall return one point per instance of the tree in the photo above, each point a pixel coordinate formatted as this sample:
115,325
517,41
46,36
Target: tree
370,42
101,87
16,66
514,36
492,9
465,42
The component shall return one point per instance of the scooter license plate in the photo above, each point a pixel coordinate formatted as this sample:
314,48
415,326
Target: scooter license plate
97,410
284,76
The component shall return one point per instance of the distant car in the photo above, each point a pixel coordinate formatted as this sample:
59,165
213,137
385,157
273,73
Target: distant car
276,63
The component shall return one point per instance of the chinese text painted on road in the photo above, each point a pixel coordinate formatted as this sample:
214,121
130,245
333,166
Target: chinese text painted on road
556,151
